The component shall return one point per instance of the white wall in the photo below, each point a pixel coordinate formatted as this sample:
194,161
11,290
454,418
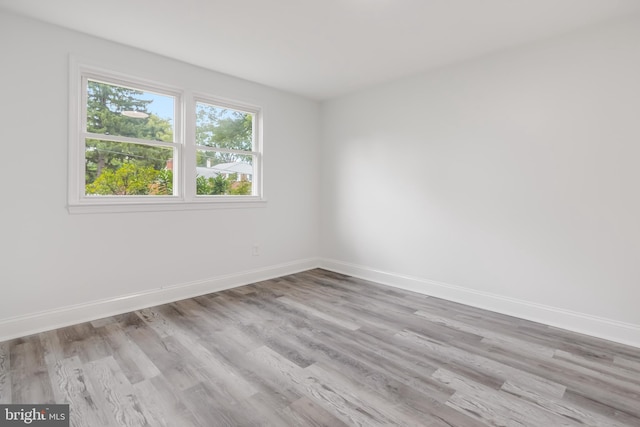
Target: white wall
510,181
52,260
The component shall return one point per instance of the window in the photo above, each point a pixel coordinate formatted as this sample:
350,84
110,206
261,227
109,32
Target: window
225,150
129,139
137,145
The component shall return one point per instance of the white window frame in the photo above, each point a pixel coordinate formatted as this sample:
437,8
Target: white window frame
256,152
184,145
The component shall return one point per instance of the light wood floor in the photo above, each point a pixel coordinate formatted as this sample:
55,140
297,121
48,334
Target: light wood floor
322,349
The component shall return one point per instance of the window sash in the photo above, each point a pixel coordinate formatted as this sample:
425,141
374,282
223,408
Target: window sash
128,140
133,84
226,150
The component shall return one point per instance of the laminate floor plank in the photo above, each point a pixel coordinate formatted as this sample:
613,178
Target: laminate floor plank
559,407
304,412
210,409
342,292
53,351
495,407
160,351
427,361
230,340
159,391
607,348
5,373
103,322
346,406
343,323
268,382
71,387
614,403
489,367
632,366
577,345
134,363
368,401
270,410
188,315
605,372
30,376
154,410
374,366
320,348
488,336
153,318
114,394
83,341
237,313
218,371
589,401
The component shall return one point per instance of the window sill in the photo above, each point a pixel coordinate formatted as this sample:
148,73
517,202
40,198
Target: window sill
105,206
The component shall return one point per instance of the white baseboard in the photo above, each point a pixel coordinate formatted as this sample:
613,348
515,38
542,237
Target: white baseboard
612,330
52,319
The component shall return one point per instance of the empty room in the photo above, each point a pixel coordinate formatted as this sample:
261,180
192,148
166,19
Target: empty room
320,213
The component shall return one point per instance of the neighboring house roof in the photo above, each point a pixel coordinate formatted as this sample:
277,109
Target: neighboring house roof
233,167
206,172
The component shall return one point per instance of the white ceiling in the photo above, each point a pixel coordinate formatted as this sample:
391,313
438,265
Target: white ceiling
323,48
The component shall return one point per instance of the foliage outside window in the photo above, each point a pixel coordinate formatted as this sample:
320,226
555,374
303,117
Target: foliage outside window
129,142
133,147
224,150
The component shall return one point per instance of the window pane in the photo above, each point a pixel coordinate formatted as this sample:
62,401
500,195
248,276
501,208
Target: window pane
223,173
121,169
120,111
223,127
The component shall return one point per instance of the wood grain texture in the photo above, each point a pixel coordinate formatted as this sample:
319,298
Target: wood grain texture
323,349
5,375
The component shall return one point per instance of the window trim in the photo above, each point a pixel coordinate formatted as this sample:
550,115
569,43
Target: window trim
184,142
256,181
